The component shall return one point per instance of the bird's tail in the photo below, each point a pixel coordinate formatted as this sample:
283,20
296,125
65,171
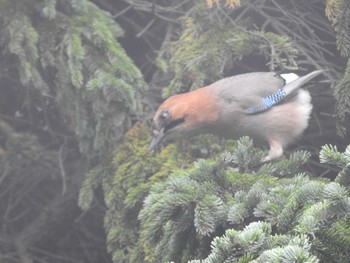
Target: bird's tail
283,94
296,84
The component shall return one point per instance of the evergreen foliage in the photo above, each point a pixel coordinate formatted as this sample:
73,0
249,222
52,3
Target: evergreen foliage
330,155
67,53
125,184
284,219
271,212
256,238
68,92
206,51
338,11
215,40
203,201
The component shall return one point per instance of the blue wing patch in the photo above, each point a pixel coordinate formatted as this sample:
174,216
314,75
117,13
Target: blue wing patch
268,102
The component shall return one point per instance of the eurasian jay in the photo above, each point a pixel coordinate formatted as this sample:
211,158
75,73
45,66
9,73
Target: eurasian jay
262,105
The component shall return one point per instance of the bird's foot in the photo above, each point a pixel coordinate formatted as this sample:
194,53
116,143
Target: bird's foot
275,152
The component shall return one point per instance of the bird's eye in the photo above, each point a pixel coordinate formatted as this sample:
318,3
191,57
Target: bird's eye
164,114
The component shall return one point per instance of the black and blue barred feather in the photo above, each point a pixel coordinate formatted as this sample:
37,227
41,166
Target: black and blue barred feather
268,102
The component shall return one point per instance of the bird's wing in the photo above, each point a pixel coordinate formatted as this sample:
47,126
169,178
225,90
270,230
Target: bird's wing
248,90
260,91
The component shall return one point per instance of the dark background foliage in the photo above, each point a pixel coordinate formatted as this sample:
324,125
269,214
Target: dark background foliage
76,75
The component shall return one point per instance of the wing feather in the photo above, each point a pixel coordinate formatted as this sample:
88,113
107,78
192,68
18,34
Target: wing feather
260,91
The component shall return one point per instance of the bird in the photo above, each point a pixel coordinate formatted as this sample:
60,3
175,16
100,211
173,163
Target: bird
269,107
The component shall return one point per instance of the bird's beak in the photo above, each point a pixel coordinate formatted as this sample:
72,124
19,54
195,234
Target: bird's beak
156,140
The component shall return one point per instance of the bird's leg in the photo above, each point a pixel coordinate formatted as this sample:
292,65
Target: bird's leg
275,151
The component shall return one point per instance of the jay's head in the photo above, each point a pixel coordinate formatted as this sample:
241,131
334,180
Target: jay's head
183,115
170,120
